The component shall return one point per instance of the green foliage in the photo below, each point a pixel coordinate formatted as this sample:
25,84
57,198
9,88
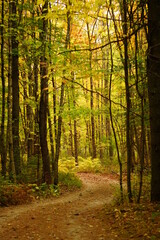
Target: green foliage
43,191
117,196
146,188
84,165
15,194
70,180
89,165
29,171
67,165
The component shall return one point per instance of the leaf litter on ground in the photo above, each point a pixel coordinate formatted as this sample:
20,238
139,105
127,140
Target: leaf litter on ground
133,221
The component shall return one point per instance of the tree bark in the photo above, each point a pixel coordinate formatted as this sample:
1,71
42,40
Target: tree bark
154,93
43,111
58,139
2,136
15,88
111,117
128,101
12,175
94,151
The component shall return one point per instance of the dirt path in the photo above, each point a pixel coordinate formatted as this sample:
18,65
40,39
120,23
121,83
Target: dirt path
75,216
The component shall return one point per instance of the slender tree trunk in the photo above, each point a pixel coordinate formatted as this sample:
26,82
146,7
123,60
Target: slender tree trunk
111,117
75,126
107,120
54,107
71,150
12,175
51,140
75,143
35,90
2,136
94,151
15,88
128,101
58,139
59,128
36,119
30,119
142,121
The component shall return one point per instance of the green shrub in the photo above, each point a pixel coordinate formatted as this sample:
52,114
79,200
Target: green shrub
69,180
67,165
89,165
43,191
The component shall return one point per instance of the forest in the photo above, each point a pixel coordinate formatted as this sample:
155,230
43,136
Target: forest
80,91
80,119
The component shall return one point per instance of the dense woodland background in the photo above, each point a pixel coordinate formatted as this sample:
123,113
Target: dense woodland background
74,89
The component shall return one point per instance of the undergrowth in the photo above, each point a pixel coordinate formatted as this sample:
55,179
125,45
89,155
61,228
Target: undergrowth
133,221
16,194
86,165
135,180
70,180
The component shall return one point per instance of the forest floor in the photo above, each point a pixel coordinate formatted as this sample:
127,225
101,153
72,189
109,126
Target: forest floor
85,214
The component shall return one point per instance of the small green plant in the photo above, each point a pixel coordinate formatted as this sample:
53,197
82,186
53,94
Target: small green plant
43,191
69,180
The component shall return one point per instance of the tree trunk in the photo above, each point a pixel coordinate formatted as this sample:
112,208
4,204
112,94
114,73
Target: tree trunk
44,99
58,139
12,175
2,136
59,128
154,93
111,117
15,88
94,151
51,140
128,101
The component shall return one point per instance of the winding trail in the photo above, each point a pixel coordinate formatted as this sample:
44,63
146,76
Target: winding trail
74,216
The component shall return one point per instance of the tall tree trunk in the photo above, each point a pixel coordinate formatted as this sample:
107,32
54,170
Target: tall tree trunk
58,139
43,111
111,116
75,125
128,101
2,136
107,120
30,119
15,88
51,139
141,96
12,175
154,93
59,128
70,150
94,151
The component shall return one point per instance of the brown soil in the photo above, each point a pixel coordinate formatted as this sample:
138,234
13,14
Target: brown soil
72,216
